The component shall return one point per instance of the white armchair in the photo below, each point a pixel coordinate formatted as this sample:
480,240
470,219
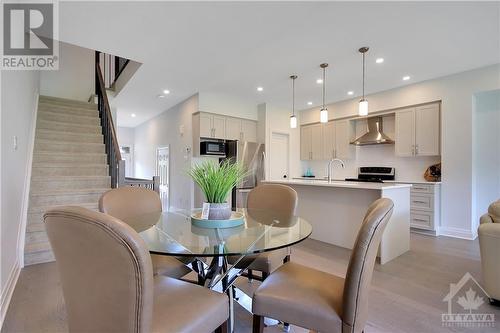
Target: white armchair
489,243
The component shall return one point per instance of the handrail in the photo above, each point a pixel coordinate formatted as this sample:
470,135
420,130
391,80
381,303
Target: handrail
108,129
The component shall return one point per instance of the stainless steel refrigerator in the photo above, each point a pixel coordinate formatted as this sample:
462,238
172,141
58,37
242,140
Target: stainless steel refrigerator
252,156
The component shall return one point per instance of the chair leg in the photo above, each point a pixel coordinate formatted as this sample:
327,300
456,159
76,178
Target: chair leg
258,324
222,328
264,275
249,275
286,259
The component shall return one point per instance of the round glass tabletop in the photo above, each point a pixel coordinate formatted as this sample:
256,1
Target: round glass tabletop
173,234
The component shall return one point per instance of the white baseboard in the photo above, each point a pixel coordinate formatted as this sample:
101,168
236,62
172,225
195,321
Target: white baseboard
457,233
6,294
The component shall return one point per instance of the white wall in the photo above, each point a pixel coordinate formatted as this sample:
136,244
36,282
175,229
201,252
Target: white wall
456,93
163,130
19,92
226,104
125,136
486,158
75,77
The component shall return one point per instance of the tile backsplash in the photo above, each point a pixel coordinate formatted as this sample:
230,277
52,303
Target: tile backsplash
407,168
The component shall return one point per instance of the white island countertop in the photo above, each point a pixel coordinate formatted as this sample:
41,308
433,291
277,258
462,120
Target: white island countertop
339,184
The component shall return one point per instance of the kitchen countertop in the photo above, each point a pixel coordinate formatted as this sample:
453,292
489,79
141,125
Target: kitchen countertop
385,181
339,184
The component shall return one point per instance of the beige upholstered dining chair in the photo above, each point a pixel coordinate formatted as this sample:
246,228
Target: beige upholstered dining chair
108,284
131,201
489,245
278,198
320,301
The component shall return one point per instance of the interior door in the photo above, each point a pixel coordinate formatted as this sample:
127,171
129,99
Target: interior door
427,130
405,132
162,170
278,156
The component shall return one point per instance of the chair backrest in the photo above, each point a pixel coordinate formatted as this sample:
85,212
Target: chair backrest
129,201
276,197
105,270
361,265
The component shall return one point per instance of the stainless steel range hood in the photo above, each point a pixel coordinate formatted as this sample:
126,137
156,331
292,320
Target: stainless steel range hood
375,134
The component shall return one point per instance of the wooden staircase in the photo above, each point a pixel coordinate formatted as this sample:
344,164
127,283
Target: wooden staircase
69,167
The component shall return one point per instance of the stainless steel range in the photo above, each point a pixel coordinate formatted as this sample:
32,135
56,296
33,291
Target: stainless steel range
374,174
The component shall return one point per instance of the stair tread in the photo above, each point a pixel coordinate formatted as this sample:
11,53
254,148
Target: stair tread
73,116
46,98
65,165
35,247
41,209
51,131
39,140
68,123
66,178
44,152
71,191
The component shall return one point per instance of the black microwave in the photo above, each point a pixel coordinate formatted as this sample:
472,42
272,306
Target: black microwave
213,148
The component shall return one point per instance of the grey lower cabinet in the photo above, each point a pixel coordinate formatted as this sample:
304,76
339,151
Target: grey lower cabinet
425,207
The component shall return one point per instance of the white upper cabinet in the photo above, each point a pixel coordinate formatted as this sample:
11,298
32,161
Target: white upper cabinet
248,130
233,128
405,132
206,129
343,133
305,142
329,140
219,126
311,142
427,130
418,131
222,127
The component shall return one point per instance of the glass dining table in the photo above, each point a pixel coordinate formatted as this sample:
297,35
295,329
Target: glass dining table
219,255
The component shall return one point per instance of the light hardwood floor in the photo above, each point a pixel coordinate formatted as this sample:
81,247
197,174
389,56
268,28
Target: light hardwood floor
406,294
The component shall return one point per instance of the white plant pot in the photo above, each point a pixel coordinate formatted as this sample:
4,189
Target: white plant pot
219,211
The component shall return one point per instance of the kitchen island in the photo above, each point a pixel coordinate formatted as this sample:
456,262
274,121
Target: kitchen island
336,210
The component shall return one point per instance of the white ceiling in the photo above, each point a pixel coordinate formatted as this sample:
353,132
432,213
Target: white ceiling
233,47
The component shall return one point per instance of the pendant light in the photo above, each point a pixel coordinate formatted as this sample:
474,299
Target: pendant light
293,118
323,113
363,103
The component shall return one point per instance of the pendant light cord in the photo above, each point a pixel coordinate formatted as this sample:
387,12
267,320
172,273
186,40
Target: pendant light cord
293,97
324,85
363,75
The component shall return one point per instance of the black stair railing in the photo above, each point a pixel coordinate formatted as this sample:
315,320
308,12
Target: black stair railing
114,158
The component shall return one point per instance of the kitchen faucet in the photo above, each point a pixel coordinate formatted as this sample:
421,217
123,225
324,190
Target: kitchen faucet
330,165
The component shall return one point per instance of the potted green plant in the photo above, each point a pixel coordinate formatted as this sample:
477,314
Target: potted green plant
216,181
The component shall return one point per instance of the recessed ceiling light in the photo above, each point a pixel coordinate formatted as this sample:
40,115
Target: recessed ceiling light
160,96
133,115
350,93
406,78
379,60
260,89
309,103
166,91
319,81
